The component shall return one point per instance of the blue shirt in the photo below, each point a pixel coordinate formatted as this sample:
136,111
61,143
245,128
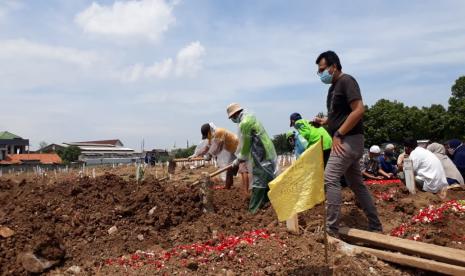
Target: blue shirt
459,159
387,165
300,144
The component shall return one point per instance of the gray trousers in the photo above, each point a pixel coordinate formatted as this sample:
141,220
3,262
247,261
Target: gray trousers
347,164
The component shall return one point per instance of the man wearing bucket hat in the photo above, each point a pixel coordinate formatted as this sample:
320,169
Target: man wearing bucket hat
256,147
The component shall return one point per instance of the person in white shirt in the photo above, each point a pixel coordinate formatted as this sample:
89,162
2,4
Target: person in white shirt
427,168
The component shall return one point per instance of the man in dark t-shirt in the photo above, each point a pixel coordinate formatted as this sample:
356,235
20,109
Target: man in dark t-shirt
345,124
340,95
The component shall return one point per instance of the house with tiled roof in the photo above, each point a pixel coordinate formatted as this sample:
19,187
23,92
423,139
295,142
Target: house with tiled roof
32,159
12,144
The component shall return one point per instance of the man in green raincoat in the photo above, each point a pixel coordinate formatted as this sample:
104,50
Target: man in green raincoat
254,145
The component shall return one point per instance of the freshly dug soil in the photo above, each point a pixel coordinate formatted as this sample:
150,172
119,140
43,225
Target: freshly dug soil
69,220
78,215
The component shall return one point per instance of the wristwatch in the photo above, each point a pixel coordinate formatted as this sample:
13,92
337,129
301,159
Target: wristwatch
338,134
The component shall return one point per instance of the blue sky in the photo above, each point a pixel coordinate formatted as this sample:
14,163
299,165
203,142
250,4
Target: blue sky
157,69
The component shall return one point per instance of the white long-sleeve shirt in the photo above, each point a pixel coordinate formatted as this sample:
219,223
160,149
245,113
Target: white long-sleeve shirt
428,168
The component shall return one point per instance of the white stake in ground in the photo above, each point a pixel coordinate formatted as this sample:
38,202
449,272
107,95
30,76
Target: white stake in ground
409,176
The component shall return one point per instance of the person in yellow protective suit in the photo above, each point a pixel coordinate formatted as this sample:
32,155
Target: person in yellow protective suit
220,144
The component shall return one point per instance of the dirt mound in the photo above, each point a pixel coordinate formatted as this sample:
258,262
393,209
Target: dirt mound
423,216
256,252
78,214
85,222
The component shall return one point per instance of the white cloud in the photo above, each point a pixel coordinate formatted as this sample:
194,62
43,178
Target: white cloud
25,65
188,63
189,59
25,49
145,19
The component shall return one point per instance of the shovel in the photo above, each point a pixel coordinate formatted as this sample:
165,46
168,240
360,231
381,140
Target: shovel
215,173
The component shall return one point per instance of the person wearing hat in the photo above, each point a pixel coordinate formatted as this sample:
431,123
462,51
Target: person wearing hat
370,164
312,134
456,150
220,144
297,142
256,147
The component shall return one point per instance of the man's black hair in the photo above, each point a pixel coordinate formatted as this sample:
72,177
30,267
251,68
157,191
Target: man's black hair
410,143
331,58
204,130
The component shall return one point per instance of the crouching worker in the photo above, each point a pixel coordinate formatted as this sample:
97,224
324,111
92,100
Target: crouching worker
370,164
255,146
388,162
427,168
297,142
220,144
453,175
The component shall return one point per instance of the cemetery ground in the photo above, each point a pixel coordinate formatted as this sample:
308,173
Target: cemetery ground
102,221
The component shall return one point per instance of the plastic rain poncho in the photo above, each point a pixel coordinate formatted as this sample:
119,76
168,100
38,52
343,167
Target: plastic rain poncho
256,146
300,144
313,134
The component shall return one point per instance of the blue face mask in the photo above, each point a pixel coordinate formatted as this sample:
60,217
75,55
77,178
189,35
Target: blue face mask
236,120
326,77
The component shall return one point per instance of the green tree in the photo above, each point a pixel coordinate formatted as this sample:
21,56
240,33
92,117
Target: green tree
416,124
183,153
388,121
456,111
69,154
385,121
280,143
434,122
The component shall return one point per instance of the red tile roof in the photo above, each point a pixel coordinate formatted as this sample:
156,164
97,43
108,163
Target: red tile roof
43,158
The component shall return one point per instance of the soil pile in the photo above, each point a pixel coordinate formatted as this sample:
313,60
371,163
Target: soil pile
92,223
78,215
